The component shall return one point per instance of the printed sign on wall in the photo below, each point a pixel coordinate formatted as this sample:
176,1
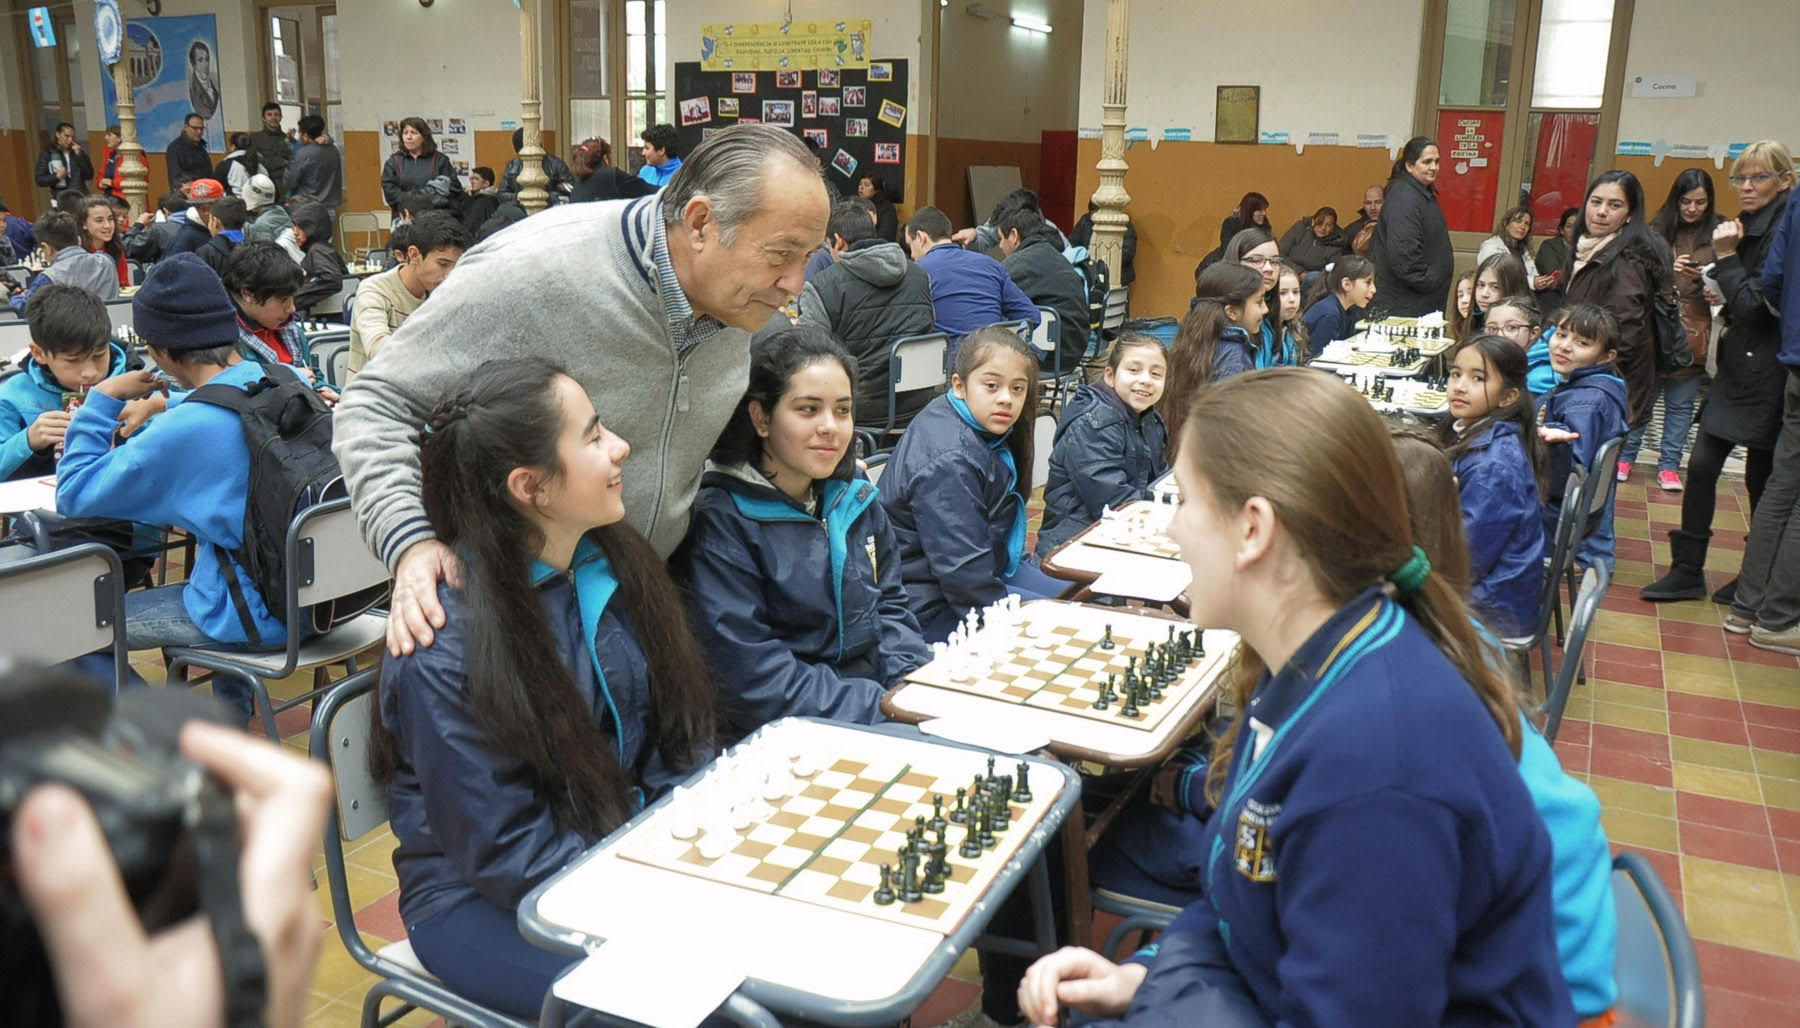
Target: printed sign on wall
770,45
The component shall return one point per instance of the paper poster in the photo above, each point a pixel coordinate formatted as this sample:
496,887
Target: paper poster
1468,192
818,137
809,104
794,44
728,107
743,82
174,70
828,107
844,163
1321,139
1178,135
787,80
856,96
828,78
1376,141
892,114
887,153
856,126
1273,138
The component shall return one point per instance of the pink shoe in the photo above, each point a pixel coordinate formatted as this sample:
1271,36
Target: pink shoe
1624,470
1669,481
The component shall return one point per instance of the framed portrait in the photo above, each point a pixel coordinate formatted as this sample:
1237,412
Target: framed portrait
1237,114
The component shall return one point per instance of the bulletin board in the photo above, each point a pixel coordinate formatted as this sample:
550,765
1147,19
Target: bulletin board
858,115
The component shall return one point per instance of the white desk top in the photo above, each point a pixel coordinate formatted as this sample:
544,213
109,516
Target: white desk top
828,953
25,494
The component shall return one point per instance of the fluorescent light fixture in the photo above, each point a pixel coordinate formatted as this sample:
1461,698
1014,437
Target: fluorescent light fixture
1031,25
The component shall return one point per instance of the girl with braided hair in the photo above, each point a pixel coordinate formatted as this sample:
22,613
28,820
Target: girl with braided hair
563,692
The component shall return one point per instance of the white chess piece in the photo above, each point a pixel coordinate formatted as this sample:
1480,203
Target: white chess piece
806,766
712,847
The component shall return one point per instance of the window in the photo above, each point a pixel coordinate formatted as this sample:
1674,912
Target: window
617,50
1573,39
1478,47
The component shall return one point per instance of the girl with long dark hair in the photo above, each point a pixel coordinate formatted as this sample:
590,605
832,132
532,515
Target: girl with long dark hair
1685,223
100,233
1622,266
789,564
1361,665
1214,341
563,692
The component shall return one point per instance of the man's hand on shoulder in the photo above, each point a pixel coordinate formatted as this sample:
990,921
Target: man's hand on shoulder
131,385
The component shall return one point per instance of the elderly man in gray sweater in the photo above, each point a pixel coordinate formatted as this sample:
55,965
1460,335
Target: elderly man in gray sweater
648,303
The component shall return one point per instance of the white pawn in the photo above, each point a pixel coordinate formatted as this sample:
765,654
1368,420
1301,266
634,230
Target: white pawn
712,847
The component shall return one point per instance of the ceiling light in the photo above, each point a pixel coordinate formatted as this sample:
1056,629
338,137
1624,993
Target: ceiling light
1031,25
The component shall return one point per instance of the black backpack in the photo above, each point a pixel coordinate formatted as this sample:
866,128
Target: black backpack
287,428
1672,350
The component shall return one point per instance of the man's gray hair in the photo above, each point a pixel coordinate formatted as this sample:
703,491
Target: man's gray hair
728,170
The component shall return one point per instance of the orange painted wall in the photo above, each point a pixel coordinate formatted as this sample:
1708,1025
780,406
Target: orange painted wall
955,156
1657,181
18,156
1181,193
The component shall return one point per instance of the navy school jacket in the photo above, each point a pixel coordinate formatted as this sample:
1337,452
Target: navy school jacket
1106,455
1501,513
798,614
468,821
1326,322
1379,862
1234,354
1591,401
946,493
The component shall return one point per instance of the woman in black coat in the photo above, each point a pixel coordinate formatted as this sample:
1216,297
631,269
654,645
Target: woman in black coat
1413,259
887,219
417,162
1622,266
1743,407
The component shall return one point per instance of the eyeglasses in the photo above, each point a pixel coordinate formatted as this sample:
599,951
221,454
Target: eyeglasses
1258,261
1750,180
1510,328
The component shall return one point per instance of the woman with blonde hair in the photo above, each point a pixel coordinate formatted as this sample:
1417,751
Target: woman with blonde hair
1743,407
1374,857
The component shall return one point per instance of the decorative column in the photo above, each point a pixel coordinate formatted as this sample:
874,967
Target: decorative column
131,169
532,179
1110,199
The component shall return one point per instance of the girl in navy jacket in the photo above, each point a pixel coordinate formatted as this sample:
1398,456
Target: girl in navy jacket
563,691
789,565
1375,857
1213,342
1499,462
1587,407
956,485
1339,298
1110,442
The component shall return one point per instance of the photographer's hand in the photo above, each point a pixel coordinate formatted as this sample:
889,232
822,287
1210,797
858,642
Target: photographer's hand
108,972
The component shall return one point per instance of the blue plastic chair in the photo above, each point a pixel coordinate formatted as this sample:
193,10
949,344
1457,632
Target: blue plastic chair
1656,970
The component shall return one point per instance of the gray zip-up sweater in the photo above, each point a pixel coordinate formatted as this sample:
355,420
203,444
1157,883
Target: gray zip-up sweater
590,287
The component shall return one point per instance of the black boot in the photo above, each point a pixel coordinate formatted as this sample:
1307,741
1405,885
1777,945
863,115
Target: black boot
1726,593
1686,579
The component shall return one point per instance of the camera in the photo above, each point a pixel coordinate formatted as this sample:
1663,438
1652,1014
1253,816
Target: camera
170,826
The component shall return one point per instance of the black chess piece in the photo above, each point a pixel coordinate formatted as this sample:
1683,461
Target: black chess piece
1100,701
1155,693
937,813
884,893
987,828
1000,814
1199,643
1022,788
961,813
990,774
936,870
1106,641
1130,708
910,892
971,844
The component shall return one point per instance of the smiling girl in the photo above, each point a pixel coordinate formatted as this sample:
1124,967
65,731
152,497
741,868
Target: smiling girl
1214,341
100,233
563,691
789,565
956,486
1499,462
1110,442
1585,410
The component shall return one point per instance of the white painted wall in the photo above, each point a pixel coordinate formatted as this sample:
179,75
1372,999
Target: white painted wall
1746,56
894,32
1004,83
1303,53
396,58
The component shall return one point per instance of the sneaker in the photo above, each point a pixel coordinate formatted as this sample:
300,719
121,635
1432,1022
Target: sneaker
1737,625
1624,470
1669,481
1785,641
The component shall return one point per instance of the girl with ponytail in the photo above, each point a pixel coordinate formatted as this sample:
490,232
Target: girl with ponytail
1340,296
563,691
1214,340
1374,857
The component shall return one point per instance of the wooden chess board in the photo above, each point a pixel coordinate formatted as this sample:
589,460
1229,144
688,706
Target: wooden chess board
1136,528
825,843
1064,670
1383,360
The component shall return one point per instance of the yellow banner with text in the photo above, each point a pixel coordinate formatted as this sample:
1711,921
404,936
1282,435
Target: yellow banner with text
771,45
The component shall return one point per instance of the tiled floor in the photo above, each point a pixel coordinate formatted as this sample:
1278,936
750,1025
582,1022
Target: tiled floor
1690,736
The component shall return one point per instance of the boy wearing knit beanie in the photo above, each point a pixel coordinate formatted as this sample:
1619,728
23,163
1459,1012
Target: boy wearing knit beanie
188,467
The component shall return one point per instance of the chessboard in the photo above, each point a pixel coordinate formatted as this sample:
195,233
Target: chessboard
1103,664
904,831
1387,360
1135,528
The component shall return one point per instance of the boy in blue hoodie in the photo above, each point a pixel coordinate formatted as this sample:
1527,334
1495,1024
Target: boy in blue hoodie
70,354
189,467
1584,410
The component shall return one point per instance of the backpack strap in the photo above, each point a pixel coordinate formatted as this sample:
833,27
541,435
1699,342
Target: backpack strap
236,589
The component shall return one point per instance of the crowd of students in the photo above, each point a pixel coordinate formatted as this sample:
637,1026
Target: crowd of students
566,654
